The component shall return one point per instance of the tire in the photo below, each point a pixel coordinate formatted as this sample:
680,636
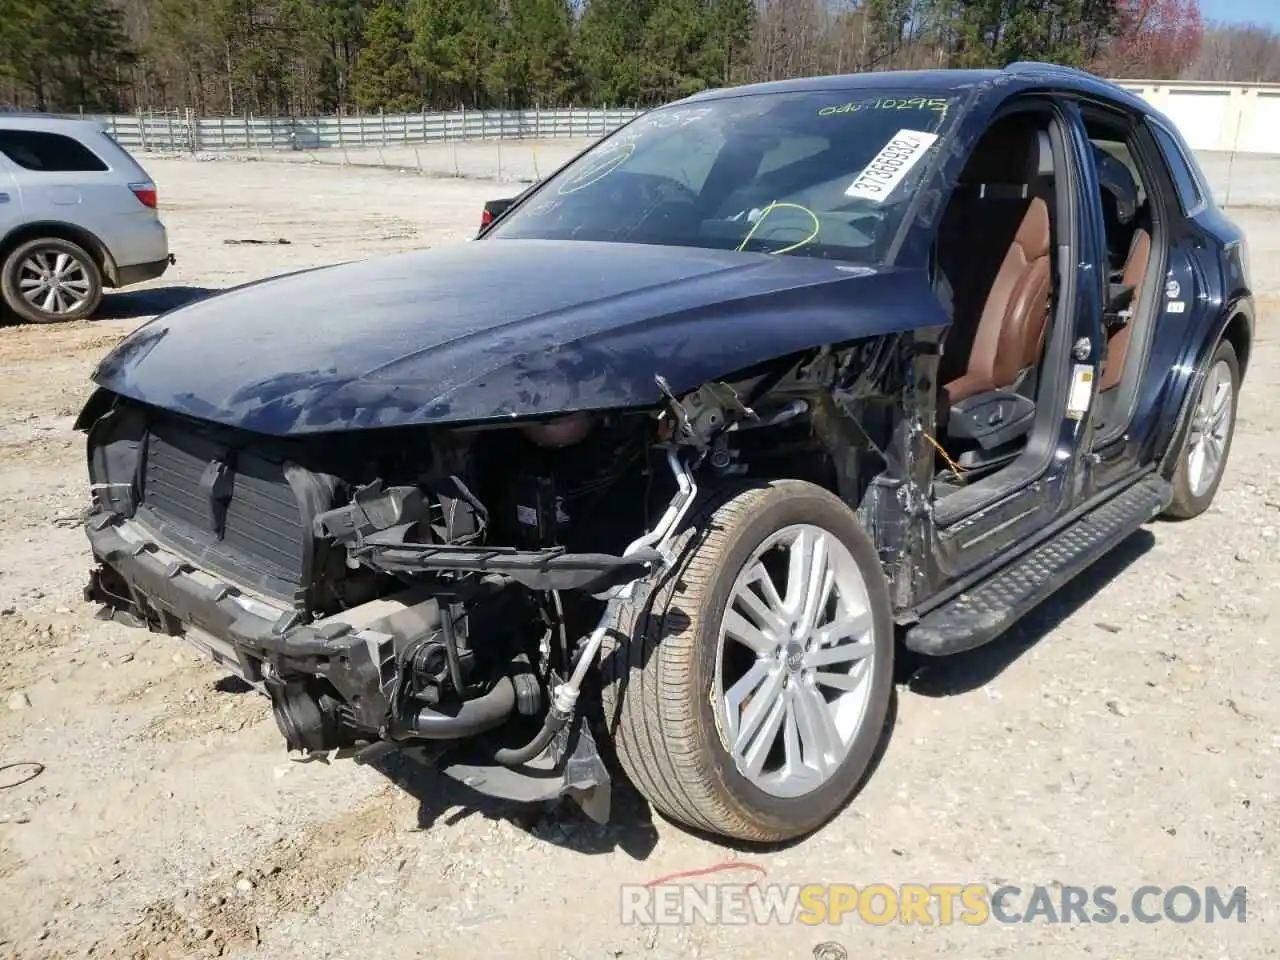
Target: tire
1203,457
75,275
666,686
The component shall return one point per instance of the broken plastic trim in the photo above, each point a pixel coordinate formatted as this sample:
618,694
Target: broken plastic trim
547,569
564,699
659,539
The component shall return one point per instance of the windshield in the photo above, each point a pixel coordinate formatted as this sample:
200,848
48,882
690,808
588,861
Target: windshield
805,174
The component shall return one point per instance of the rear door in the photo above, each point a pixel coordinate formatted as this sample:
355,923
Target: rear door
1185,301
10,198
52,169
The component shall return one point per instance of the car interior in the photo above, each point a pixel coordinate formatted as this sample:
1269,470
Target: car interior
1131,231
995,253
775,181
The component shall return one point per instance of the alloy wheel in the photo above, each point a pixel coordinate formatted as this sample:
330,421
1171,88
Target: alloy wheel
794,661
1210,429
54,282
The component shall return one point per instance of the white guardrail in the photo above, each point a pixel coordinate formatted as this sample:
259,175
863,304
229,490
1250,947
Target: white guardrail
1227,117
183,131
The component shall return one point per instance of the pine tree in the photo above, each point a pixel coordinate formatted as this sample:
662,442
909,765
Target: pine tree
729,24
64,54
610,34
453,47
676,58
546,27
383,77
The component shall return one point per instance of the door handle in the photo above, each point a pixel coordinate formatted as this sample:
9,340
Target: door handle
4,198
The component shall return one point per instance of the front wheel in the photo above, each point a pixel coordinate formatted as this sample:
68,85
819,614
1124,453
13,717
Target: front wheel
50,280
753,686
1204,454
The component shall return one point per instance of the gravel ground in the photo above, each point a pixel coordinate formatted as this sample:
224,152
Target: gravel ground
1125,734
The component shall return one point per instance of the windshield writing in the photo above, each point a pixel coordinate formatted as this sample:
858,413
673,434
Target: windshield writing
804,174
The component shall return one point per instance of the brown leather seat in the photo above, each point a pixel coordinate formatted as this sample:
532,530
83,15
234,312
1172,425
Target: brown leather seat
981,217
1010,334
1135,268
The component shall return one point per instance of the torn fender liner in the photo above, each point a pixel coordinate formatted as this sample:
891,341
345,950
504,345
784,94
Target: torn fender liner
570,765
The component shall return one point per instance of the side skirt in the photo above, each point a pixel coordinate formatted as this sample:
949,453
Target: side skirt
990,607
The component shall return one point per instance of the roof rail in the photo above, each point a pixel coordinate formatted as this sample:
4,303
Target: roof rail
1034,66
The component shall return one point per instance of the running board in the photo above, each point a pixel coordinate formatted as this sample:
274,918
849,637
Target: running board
991,607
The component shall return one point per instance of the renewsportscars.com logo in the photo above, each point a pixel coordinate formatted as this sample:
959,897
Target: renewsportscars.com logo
667,901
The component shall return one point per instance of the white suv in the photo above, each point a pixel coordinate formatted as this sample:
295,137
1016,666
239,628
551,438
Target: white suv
77,214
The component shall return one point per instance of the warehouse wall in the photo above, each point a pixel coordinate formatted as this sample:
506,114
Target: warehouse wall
1218,116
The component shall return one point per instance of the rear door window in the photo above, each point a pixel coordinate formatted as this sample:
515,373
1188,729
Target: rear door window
48,152
1184,178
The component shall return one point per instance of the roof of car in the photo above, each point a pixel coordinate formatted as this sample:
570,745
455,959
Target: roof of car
49,122
1023,75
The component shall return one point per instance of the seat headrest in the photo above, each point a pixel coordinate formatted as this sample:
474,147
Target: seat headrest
1008,159
1003,155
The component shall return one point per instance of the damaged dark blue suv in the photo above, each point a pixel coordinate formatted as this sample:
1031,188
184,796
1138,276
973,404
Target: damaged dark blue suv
668,462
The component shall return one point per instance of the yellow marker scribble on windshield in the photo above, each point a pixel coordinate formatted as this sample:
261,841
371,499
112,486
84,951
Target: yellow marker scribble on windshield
775,205
594,174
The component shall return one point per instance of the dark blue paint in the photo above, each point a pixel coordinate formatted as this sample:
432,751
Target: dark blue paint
1205,258
501,328
508,328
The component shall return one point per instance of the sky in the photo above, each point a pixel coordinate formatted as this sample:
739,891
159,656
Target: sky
1242,11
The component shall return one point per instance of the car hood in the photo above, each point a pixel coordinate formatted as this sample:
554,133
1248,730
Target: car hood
497,329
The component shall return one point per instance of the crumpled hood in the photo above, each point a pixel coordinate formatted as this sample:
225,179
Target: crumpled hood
497,329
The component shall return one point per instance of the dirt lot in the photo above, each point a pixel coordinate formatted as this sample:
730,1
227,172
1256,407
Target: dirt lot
1125,735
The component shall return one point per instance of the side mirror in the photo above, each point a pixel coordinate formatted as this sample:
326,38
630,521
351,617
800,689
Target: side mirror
494,209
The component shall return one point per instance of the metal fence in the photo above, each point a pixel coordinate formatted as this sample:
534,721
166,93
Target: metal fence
183,131
1230,117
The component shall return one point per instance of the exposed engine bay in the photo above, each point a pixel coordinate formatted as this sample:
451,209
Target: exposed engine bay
444,589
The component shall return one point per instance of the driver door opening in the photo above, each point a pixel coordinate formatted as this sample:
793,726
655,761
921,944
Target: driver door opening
997,267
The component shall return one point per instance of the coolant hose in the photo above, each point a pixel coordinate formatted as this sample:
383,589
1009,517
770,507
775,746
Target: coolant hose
473,717
565,698
516,756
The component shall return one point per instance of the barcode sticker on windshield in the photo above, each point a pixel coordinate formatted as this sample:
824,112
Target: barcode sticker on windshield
891,165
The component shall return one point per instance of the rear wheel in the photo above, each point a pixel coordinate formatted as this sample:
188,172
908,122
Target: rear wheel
1204,455
753,688
51,280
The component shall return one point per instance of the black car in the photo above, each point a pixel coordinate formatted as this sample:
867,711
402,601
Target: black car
667,462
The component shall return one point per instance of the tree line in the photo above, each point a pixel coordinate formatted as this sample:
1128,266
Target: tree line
325,56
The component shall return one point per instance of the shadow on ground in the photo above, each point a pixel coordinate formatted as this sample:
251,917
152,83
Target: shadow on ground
963,672
131,304
630,828
444,801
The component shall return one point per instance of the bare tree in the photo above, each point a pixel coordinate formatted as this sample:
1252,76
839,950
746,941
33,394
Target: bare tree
1244,54
788,36
1156,39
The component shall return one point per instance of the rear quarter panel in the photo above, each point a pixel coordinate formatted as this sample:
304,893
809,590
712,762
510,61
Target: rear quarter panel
1213,278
